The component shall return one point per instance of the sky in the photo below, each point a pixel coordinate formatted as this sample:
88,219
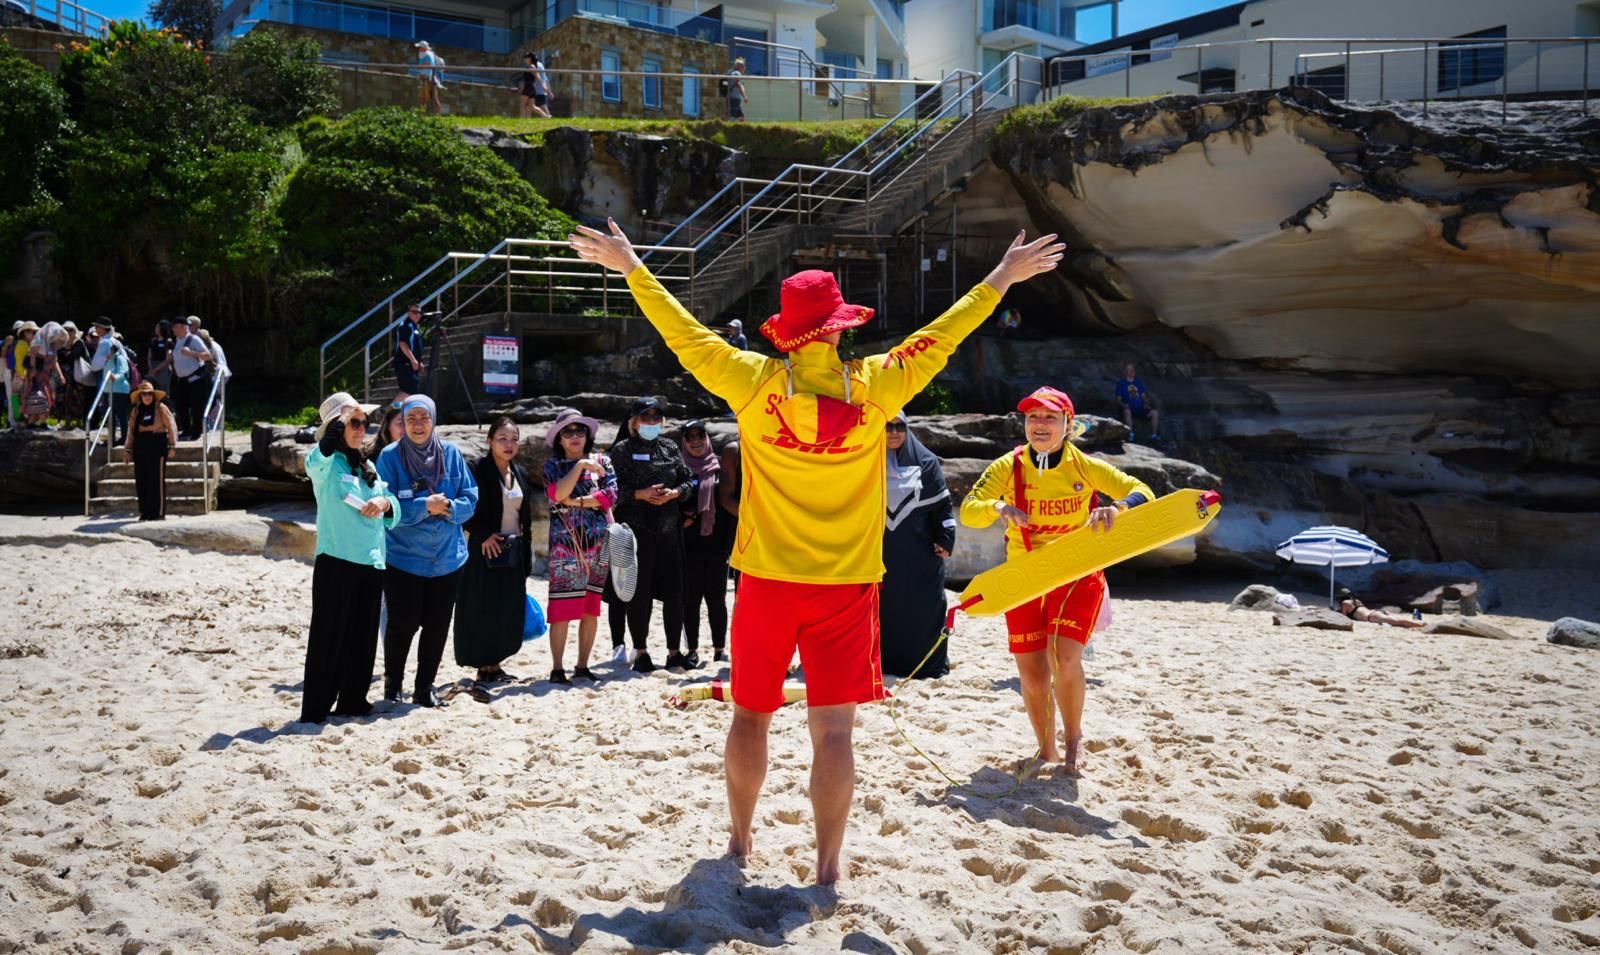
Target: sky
1136,14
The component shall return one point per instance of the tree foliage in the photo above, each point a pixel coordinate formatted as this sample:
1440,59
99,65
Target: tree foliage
194,20
380,194
169,168
33,126
279,81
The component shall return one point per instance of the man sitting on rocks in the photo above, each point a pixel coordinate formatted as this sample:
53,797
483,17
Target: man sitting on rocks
1136,403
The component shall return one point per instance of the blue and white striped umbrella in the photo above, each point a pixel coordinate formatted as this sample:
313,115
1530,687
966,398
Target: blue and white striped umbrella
1332,547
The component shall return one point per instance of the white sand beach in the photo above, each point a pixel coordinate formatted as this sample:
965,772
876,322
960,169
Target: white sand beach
1248,788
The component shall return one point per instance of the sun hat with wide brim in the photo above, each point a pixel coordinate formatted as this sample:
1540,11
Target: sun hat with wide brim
334,405
811,306
570,416
145,387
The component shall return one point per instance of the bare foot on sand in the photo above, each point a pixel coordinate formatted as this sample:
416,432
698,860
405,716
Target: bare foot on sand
1074,761
739,846
827,871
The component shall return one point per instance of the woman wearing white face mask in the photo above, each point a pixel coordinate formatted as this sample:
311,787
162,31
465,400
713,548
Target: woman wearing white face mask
651,479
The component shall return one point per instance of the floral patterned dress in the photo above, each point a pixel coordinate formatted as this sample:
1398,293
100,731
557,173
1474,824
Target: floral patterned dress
578,565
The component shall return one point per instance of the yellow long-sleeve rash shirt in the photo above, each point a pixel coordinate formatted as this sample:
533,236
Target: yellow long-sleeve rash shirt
810,512
1058,499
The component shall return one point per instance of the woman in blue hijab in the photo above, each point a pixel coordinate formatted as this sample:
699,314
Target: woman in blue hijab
426,550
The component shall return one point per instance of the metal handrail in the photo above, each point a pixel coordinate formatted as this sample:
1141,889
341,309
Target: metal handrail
90,439
218,381
778,196
322,355
82,17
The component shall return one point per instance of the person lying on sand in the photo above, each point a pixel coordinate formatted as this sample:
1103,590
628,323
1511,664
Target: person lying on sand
1356,610
810,536
1045,490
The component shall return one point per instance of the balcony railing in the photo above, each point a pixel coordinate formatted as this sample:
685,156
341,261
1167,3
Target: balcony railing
65,14
394,22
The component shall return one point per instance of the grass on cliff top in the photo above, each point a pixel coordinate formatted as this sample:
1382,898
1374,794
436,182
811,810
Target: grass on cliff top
809,141
1026,122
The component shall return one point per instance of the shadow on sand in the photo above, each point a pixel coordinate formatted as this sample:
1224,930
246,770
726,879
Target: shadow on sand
1047,802
711,906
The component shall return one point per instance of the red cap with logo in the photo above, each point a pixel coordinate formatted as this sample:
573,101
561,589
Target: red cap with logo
1052,399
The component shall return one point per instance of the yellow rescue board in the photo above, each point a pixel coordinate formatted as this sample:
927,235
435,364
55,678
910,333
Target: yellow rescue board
1082,552
723,692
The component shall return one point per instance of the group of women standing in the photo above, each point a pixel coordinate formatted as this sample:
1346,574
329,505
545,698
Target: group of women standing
389,538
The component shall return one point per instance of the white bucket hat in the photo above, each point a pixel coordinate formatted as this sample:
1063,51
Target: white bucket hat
334,405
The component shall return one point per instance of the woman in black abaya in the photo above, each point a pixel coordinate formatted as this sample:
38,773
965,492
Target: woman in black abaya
919,532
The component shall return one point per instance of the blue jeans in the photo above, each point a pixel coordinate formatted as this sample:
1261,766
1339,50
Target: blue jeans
120,406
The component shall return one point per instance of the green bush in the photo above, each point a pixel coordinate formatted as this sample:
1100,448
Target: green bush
33,126
380,195
279,81
169,172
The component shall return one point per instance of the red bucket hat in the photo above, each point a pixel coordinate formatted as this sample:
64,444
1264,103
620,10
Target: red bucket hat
810,307
1052,399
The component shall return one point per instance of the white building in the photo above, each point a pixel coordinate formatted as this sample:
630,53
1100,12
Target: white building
1479,55
974,35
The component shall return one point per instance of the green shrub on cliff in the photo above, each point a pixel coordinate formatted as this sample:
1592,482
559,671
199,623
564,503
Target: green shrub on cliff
33,125
1039,119
379,197
169,172
280,81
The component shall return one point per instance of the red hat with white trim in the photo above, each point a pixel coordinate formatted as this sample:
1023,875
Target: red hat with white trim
811,306
1052,399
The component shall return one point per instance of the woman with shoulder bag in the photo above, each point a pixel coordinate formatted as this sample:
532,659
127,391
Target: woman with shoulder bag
152,434
492,604
582,488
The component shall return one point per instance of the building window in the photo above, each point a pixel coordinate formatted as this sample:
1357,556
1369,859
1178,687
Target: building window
652,84
691,90
1472,63
610,82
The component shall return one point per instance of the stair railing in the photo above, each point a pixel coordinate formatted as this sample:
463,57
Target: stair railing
728,221
216,397
92,434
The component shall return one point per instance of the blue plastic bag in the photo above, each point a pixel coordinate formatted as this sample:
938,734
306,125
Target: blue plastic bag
533,625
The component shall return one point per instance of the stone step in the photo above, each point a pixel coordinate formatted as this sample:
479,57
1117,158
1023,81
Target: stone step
186,451
125,487
130,505
117,471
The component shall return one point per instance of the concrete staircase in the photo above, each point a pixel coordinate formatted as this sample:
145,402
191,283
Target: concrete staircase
113,492
927,178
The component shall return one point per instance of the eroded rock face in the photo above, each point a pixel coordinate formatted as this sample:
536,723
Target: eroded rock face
637,179
1278,226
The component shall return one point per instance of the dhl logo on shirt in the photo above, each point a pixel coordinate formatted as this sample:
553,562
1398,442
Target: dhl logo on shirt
786,439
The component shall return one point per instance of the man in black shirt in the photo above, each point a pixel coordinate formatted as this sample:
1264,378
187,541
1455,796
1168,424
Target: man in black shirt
158,359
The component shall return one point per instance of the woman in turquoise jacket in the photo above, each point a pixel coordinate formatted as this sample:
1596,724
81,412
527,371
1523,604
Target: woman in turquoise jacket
353,508
427,549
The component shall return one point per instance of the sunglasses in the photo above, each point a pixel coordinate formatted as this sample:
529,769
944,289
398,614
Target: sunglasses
574,431
894,426
357,422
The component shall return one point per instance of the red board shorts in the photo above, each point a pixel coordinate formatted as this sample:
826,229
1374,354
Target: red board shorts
1070,611
834,625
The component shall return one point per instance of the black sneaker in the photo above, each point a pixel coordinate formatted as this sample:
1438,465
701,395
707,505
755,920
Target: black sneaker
677,661
558,675
720,656
691,660
642,664
582,673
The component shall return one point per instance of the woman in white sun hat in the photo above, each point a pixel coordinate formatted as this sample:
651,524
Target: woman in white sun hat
354,508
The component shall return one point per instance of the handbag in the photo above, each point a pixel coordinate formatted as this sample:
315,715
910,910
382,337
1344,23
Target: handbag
510,553
622,553
83,372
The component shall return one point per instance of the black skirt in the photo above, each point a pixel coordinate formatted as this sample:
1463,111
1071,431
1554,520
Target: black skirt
491,607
